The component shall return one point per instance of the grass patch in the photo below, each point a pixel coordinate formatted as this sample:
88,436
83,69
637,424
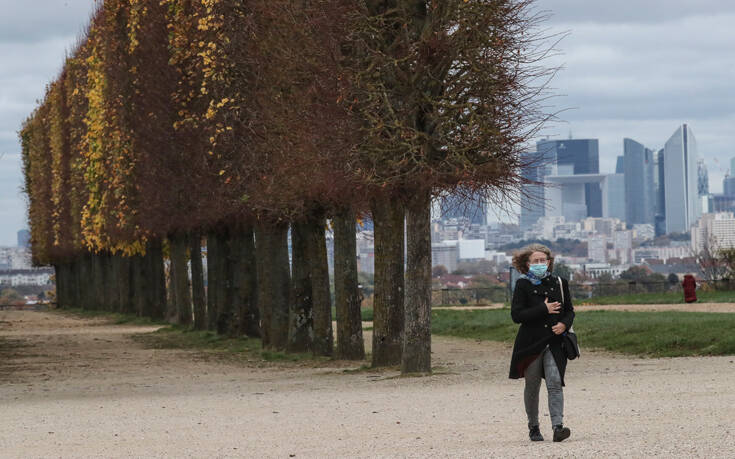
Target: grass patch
660,298
177,337
113,317
652,334
366,313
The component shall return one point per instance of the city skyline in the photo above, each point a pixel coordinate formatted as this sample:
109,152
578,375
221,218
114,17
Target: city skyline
606,87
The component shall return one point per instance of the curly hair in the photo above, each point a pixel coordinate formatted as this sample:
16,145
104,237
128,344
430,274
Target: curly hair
520,258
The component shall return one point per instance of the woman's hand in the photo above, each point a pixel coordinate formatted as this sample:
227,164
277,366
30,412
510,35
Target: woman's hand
559,328
554,308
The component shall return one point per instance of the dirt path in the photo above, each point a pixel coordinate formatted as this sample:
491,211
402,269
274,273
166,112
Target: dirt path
81,388
693,307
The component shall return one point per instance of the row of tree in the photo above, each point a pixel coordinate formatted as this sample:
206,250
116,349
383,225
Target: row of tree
237,122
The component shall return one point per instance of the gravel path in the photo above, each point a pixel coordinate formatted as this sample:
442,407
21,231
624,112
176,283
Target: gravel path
82,388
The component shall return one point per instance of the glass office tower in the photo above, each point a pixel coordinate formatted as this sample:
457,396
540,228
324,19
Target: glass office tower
640,197
682,201
577,156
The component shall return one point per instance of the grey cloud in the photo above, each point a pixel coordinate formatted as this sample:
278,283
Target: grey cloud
36,20
643,11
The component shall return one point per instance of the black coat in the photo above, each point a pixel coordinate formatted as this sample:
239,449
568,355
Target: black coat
529,310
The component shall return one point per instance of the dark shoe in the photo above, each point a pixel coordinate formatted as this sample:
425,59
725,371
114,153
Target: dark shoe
535,434
561,433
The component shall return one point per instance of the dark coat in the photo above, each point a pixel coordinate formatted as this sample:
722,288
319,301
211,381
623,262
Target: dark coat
690,288
529,310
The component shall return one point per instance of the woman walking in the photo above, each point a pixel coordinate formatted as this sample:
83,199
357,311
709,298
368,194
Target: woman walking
542,305
690,288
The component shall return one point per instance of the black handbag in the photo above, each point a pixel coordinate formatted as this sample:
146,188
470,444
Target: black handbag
568,338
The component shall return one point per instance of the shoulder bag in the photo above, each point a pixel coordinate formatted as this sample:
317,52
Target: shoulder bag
568,338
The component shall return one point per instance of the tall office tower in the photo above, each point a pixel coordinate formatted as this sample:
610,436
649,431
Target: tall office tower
536,168
620,165
681,180
24,238
577,156
613,196
660,215
640,197
728,185
702,178
732,166
454,206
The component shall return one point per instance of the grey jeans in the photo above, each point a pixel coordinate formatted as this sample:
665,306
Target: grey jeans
543,365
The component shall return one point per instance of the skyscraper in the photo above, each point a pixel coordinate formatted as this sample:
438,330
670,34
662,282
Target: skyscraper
455,206
728,185
24,238
577,156
536,168
681,181
660,216
702,178
640,198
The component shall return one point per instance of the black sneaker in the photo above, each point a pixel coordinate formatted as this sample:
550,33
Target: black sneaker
535,434
561,433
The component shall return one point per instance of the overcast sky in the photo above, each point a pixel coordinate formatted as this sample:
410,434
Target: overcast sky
633,69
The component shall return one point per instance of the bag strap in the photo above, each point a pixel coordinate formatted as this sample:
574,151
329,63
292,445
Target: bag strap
561,289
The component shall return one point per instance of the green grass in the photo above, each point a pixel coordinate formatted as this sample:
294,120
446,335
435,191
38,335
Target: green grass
113,317
176,337
660,298
651,334
367,314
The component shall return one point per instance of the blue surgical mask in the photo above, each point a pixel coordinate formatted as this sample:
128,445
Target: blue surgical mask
538,270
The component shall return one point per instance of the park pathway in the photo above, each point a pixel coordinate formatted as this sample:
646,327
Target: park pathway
82,388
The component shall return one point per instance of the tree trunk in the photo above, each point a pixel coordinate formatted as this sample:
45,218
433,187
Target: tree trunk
226,320
155,282
137,285
301,325
245,282
197,282
416,357
274,284
320,293
388,218
212,280
347,297
180,279
122,284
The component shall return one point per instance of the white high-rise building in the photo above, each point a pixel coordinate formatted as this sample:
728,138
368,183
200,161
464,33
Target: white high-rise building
714,230
683,206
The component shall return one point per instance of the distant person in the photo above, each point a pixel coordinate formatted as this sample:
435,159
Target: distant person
690,288
537,352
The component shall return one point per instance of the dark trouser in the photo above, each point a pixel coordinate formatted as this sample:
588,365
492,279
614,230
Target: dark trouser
544,365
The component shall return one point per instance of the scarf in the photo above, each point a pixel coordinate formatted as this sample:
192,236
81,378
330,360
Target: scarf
533,278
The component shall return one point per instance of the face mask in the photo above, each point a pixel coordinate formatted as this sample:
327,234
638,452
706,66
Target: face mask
538,270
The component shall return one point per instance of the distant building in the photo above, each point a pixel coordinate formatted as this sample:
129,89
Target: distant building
660,214
716,230
471,249
613,196
623,246
721,203
597,249
702,178
681,181
454,206
21,277
643,232
728,185
536,168
620,165
577,156
24,239
446,254
640,198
